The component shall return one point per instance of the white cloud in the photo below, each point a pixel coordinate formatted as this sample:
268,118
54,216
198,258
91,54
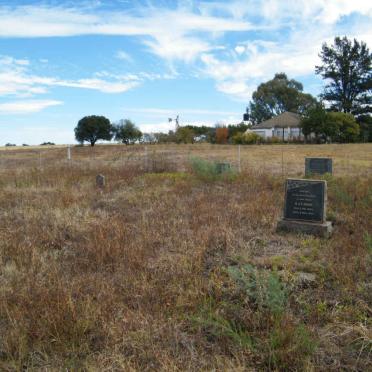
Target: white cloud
191,32
124,56
17,79
170,112
237,74
98,84
240,49
170,34
27,107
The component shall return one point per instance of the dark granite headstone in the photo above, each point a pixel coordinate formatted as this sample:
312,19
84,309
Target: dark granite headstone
318,166
305,200
305,207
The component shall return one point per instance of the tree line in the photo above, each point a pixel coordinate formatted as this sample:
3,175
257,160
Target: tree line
342,113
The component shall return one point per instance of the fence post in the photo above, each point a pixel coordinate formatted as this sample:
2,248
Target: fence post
239,163
68,152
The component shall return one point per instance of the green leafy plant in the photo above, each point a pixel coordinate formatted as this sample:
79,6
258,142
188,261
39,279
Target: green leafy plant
263,288
209,171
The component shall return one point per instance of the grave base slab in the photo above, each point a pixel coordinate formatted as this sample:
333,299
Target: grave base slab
323,230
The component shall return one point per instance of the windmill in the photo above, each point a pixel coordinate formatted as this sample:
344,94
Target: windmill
176,120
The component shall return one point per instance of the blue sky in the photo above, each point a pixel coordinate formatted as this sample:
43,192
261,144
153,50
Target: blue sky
150,60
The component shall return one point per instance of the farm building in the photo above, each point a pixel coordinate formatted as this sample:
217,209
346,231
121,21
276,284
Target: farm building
285,126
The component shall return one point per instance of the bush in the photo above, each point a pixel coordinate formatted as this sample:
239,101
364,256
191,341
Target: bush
273,140
208,170
249,138
264,289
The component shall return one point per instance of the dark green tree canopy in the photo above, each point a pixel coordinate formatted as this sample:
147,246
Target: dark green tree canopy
277,96
346,66
329,126
365,123
93,128
127,132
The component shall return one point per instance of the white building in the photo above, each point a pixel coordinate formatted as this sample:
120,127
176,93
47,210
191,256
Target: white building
285,126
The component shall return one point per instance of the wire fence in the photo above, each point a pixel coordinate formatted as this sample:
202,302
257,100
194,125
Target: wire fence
285,160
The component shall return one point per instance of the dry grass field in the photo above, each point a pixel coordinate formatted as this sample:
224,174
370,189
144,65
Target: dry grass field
168,269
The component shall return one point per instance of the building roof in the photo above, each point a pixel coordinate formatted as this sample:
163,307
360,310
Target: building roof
284,120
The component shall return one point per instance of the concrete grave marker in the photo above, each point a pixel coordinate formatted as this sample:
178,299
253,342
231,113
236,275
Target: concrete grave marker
305,207
100,181
318,166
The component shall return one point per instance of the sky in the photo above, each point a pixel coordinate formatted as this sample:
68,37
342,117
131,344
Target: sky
148,60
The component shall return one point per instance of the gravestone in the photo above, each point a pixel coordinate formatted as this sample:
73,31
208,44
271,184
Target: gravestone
100,181
318,166
223,167
305,207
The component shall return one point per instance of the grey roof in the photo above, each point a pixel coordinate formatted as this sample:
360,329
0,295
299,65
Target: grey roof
284,120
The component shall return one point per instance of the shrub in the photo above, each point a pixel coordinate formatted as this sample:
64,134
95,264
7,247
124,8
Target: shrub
263,288
246,138
273,140
208,170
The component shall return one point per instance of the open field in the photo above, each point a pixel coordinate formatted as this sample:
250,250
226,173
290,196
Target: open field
349,159
165,269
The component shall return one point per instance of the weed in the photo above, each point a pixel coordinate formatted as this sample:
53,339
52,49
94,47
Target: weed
216,326
263,288
289,347
210,171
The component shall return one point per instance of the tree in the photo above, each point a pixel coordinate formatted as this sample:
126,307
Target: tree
315,122
185,135
277,96
127,132
365,123
222,135
93,128
334,126
347,127
347,68
238,128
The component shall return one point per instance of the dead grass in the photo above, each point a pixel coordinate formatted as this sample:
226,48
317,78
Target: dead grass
138,276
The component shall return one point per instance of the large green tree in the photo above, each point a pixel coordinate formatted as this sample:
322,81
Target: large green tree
346,66
325,126
93,128
365,123
127,132
276,96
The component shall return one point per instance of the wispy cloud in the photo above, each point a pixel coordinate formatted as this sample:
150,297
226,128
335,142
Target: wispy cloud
27,107
170,34
192,32
305,26
168,112
124,56
17,78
